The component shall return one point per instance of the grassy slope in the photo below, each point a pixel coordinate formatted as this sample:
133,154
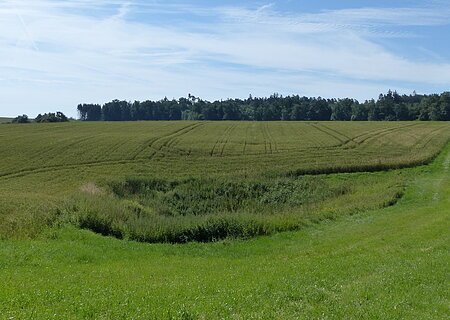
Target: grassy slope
386,264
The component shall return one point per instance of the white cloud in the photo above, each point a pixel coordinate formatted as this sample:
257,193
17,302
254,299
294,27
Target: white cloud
383,16
66,52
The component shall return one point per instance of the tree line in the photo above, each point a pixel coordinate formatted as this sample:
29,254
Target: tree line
42,118
388,107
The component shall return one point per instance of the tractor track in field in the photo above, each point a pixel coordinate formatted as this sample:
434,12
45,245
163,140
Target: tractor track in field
245,139
328,133
116,146
344,143
227,137
341,142
131,160
333,152
222,141
370,134
383,133
43,169
428,138
268,140
269,134
149,144
170,139
347,138
59,145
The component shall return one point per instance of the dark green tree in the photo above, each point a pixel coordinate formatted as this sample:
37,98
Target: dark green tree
21,119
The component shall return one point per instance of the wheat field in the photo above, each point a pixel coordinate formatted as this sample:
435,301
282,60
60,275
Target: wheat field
217,148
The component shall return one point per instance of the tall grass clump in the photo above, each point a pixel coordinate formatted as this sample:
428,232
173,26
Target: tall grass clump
192,197
25,220
178,211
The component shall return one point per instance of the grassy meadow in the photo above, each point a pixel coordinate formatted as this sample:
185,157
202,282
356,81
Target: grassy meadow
184,207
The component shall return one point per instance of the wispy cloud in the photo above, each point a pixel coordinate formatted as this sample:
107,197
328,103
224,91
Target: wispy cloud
386,16
78,50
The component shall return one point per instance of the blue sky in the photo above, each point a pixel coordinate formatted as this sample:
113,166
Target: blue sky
55,54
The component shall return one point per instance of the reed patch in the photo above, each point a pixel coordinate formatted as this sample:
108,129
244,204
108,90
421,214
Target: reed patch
204,210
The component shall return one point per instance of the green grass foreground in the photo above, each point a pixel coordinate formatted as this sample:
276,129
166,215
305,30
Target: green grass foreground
389,263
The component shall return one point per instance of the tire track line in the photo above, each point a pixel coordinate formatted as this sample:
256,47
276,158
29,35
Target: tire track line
319,128
273,141
386,132
227,138
218,145
151,142
164,148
